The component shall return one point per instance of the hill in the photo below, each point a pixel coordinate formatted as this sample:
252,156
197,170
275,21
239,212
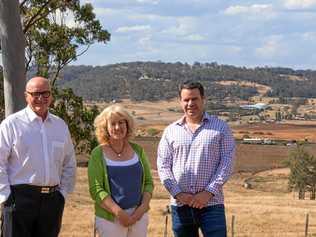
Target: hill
158,81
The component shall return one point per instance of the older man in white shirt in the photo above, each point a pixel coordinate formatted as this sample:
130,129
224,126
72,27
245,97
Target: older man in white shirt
37,166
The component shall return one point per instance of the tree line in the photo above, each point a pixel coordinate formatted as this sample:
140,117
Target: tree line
158,80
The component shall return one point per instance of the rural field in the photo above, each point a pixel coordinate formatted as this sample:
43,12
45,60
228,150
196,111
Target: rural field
157,115
267,209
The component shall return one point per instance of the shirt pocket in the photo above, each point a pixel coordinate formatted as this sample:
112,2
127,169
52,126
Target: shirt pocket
58,154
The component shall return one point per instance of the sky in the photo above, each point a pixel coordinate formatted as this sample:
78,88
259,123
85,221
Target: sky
241,33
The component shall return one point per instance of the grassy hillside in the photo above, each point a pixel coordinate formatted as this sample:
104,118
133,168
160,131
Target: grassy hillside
159,81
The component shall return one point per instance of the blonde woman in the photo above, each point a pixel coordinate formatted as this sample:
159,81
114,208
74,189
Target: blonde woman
120,180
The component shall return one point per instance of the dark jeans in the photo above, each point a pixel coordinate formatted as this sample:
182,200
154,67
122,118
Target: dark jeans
186,221
29,213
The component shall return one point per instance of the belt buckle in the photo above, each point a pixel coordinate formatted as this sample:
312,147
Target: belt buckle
45,190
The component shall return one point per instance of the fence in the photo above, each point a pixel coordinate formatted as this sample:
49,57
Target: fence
307,230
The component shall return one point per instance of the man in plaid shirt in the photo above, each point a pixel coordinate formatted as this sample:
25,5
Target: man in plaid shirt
195,159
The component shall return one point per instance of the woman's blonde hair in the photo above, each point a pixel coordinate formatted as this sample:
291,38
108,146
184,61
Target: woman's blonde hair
101,122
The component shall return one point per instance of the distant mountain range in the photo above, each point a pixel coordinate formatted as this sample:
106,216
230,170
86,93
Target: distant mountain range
159,81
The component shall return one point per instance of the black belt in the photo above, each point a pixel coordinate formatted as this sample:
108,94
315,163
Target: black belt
39,189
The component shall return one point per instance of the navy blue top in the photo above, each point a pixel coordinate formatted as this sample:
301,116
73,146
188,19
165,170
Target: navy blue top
126,184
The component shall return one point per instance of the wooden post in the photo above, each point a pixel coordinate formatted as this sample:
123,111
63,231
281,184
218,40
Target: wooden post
233,225
165,234
94,229
166,221
306,224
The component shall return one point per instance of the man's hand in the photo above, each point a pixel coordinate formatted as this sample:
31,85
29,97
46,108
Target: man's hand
201,199
184,198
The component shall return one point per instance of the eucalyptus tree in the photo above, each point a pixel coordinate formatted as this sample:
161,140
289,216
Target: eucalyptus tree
57,32
54,33
12,50
2,112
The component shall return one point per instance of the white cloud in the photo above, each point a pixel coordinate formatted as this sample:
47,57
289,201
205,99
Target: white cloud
271,47
136,28
146,17
309,36
252,9
195,37
299,4
245,33
154,2
66,18
183,26
105,11
146,44
233,49
90,1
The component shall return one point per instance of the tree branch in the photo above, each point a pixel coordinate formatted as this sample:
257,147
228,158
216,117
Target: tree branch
33,18
59,67
22,4
78,55
29,58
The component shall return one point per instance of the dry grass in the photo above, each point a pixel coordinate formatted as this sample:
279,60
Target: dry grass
262,89
257,213
266,211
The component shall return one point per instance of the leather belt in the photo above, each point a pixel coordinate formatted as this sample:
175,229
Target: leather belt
40,189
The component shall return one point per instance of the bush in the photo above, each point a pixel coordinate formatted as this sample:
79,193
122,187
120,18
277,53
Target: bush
78,117
152,132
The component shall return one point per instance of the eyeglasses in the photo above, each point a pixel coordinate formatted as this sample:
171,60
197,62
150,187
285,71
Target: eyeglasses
38,94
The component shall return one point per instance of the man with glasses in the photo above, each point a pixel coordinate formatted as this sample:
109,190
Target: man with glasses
37,166
195,159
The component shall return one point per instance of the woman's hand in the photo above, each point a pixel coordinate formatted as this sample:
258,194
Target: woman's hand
124,218
138,213
142,209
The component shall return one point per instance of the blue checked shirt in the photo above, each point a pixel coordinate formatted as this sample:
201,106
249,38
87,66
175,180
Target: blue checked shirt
194,162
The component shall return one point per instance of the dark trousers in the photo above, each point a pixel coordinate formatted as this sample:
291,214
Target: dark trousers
30,213
186,221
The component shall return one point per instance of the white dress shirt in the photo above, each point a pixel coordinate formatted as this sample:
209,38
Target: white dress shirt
35,152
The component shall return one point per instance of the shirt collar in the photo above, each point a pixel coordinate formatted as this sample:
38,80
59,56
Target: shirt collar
33,116
206,117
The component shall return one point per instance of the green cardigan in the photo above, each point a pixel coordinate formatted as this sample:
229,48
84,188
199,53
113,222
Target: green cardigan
98,180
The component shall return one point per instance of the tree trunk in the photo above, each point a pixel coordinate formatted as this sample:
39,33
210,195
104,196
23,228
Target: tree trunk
301,193
13,55
313,193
